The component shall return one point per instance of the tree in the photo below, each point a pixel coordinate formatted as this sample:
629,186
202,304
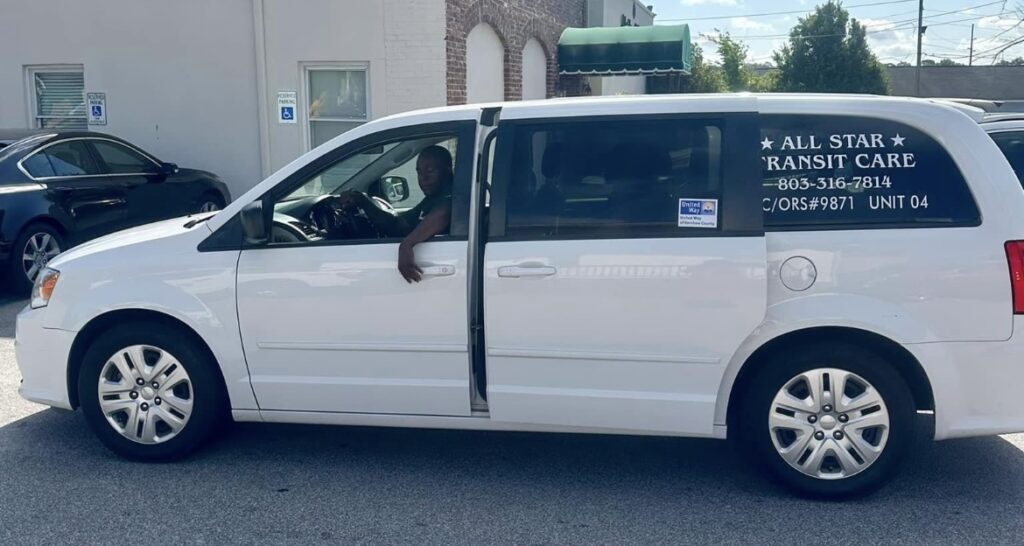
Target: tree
1019,61
948,62
703,78
734,62
828,53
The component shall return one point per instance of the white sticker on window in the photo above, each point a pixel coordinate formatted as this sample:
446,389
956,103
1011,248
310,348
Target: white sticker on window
698,213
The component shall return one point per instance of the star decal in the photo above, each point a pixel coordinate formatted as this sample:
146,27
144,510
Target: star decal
898,140
767,144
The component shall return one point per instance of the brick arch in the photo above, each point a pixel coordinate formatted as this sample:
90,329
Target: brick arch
476,14
547,34
515,22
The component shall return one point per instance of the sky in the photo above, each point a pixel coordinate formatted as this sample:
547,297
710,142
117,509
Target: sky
891,25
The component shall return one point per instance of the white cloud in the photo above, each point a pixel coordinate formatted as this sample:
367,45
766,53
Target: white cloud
744,23
891,42
709,2
997,22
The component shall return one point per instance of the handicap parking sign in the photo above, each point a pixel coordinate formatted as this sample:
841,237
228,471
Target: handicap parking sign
97,108
286,103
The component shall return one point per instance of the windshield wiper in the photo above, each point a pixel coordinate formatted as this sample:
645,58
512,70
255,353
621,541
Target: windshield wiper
195,222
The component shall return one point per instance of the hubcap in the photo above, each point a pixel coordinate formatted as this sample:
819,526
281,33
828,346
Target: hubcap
39,250
209,206
829,423
133,407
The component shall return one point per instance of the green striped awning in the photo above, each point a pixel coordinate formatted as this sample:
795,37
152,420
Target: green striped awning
661,49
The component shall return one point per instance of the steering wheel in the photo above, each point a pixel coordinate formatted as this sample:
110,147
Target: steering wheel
341,222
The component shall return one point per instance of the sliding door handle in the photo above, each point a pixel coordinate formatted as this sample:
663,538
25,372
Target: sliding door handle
519,271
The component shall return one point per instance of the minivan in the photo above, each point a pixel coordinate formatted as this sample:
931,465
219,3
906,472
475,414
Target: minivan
809,275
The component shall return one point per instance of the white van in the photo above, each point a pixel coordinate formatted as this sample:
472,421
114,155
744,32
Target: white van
803,273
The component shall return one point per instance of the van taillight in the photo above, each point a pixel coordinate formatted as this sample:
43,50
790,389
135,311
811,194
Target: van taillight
1015,257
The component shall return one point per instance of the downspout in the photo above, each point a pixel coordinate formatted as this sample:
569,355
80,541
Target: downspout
259,33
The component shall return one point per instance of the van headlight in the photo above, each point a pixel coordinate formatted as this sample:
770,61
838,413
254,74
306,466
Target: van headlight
45,284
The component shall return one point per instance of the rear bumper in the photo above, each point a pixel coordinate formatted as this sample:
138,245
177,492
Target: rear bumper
42,355
978,387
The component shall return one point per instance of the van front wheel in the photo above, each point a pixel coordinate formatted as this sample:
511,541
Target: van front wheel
829,421
150,393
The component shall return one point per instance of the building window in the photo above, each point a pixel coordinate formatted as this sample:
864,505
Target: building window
338,99
58,97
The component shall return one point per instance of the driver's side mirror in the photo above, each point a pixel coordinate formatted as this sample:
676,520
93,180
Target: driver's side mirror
167,169
395,188
254,224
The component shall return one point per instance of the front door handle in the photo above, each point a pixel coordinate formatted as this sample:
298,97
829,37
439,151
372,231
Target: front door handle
519,271
437,270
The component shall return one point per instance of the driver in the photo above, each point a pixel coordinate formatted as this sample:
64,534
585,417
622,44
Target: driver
429,218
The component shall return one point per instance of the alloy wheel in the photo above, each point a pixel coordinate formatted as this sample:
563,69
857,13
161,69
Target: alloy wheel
829,423
39,250
209,206
145,394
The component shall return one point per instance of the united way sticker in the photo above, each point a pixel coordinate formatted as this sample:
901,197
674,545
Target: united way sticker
698,213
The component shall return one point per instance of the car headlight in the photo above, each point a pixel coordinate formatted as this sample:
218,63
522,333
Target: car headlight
45,284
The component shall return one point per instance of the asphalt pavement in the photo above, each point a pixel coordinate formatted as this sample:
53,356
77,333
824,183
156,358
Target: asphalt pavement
275,484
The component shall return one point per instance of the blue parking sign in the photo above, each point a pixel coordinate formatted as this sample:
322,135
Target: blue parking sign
287,113
97,108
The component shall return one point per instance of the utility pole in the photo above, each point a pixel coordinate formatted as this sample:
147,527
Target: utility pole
920,35
970,59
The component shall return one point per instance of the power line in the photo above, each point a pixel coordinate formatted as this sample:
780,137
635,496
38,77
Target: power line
897,25
769,14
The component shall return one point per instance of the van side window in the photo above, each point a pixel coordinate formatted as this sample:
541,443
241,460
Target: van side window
609,179
856,173
1012,145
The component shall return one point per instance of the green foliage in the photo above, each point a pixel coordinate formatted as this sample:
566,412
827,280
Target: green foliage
828,53
765,83
1019,61
704,78
734,63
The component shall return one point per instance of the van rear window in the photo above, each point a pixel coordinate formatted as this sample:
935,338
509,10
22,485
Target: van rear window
853,173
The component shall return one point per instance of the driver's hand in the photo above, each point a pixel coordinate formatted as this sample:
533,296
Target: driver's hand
407,264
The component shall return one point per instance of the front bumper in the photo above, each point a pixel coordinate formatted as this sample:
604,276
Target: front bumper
976,385
42,355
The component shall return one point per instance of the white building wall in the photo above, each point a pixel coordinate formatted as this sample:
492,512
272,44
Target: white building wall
485,65
609,13
535,71
189,80
416,58
179,76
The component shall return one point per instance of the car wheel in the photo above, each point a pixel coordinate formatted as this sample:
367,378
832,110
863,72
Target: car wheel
210,203
828,421
151,393
37,245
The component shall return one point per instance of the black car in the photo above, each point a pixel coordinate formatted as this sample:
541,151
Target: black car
58,189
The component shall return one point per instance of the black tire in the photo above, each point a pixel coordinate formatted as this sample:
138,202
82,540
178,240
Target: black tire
210,411
209,197
20,282
775,372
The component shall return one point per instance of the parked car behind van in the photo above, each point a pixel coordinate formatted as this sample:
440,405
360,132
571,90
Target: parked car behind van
58,189
804,273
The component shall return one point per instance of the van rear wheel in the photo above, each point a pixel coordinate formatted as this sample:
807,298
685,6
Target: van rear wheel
831,420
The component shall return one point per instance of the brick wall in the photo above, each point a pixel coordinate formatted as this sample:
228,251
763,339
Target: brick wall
515,21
